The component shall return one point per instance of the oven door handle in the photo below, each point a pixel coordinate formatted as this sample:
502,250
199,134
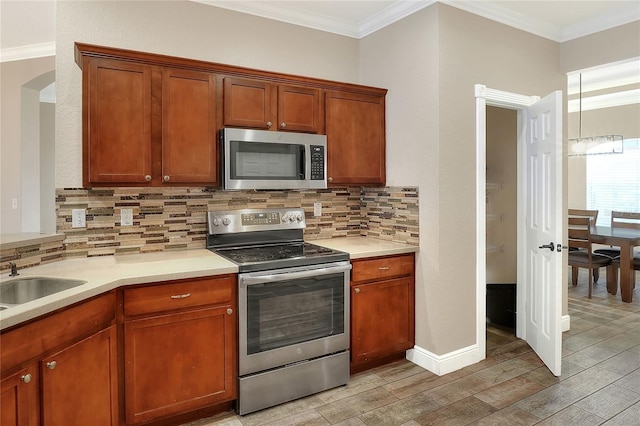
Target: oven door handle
249,279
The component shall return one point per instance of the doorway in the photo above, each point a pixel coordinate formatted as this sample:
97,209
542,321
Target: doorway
539,213
501,222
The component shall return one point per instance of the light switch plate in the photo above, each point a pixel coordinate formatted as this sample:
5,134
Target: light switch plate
317,208
78,218
126,217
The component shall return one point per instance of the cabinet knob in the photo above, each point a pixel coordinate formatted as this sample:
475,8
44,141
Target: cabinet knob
166,178
147,178
283,125
384,268
26,378
357,290
269,124
229,311
330,179
51,365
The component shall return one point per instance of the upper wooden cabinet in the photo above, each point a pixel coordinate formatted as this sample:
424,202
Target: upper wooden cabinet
117,130
153,120
263,105
189,133
148,125
355,125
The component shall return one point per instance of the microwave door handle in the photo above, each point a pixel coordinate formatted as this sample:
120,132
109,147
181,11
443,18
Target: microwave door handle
303,159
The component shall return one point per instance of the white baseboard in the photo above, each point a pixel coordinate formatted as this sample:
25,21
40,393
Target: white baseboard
443,364
566,323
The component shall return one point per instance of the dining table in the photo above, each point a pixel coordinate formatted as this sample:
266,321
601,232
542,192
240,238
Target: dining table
626,239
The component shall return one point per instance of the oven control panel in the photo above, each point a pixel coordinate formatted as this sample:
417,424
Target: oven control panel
248,220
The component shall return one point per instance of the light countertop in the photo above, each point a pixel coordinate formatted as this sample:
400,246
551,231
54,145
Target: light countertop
105,273
361,247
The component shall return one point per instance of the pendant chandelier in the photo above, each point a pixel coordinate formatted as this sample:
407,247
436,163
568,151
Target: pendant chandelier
606,144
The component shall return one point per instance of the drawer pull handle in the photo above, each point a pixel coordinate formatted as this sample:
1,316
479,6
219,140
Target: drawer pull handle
26,378
51,365
181,296
357,290
229,311
384,268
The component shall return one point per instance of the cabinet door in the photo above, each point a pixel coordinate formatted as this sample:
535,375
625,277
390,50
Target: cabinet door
189,142
19,398
179,363
355,126
382,316
299,109
249,103
79,383
117,106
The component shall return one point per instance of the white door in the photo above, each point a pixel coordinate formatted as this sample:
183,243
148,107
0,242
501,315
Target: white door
544,229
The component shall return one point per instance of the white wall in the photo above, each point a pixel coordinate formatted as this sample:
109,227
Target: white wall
431,62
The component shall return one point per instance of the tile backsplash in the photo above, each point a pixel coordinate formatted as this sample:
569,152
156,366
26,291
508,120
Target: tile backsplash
175,218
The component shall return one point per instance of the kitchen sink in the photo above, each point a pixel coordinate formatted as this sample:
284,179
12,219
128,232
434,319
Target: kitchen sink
23,290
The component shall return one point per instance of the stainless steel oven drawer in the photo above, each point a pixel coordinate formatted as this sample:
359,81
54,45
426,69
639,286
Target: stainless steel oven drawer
273,387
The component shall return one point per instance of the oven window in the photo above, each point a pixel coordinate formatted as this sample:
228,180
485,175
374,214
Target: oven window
290,312
257,160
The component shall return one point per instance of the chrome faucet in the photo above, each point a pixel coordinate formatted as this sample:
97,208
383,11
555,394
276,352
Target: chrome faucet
14,270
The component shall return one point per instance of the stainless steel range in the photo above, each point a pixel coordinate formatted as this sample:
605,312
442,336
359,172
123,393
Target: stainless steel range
293,308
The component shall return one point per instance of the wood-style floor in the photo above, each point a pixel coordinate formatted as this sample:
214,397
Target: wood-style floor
600,382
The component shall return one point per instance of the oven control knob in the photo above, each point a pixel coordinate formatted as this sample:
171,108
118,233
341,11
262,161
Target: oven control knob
299,218
225,221
285,218
216,222
292,218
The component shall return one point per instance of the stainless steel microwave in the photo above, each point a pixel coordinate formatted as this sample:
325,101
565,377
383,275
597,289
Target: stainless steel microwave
260,159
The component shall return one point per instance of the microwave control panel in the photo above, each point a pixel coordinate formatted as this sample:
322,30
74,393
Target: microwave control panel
317,162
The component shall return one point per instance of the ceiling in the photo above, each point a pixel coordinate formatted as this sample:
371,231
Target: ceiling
556,20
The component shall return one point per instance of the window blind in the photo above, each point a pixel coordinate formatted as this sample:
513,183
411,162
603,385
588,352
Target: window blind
613,181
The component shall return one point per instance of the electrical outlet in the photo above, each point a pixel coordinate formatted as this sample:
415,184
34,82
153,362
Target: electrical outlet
317,208
78,218
14,203
126,217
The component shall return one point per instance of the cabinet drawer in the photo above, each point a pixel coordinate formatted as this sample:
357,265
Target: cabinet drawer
179,295
382,268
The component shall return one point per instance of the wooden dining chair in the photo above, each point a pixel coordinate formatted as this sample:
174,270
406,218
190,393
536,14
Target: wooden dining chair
593,216
579,232
622,220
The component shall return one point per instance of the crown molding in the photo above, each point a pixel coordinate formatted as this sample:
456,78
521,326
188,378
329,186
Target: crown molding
29,51
288,15
627,97
601,23
494,12
391,14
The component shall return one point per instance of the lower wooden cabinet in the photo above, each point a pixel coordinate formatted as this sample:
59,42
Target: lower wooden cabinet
382,309
62,369
179,347
19,397
79,382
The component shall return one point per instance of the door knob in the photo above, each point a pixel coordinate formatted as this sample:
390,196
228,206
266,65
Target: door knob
549,246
